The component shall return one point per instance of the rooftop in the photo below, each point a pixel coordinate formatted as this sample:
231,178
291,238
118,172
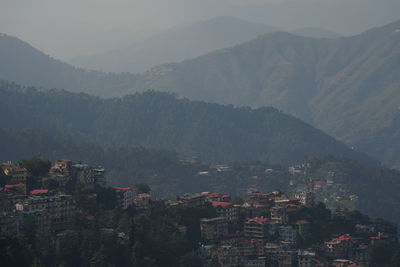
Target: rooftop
216,204
39,191
343,238
123,188
260,220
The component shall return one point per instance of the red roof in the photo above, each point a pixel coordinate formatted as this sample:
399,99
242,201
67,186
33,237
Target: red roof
39,191
64,160
303,222
10,186
343,237
285,198
216,204
123,188
260,220
225,196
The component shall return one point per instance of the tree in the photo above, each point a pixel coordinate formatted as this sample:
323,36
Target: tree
380,254
3,178
36,166
190,259
143,188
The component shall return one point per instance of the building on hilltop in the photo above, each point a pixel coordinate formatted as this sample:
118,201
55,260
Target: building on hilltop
57,211
142,201
88,175
227,210
193,200
124,196
19,175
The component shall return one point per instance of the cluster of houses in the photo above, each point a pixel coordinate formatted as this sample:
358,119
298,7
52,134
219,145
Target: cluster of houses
270,240
254,233
46,207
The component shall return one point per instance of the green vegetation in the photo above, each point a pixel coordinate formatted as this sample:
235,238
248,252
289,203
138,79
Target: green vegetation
210,132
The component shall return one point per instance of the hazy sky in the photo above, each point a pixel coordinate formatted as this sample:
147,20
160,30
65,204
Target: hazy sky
67,28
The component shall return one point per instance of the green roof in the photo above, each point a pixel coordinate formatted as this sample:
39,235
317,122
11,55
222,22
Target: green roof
80,166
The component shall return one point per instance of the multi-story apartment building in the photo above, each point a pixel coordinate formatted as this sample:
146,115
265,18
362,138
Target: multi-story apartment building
227,210
256,228
193,200
306,258
57,211
18,174
213,228
339,247
88,175
287,233
124,196
142,201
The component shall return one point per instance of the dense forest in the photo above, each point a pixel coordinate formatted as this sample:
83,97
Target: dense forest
210,132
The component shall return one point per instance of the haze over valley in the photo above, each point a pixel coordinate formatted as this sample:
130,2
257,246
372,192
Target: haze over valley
213,133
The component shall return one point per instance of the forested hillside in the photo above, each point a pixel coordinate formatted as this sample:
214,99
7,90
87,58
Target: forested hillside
210,132
348,87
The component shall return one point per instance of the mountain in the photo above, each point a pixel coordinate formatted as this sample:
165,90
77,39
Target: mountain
211,132
175,45
348,87
22,63
315,32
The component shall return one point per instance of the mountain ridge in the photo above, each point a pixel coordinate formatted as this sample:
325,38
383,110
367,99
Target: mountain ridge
160,120
174,45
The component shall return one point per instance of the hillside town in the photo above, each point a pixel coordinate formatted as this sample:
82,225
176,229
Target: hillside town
263,229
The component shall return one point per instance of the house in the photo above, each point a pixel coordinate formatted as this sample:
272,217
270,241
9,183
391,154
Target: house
19,175
193,200
15,189
211,197
306,258
227,210
57,211
278,213
213,228
256,228
287,234
88,175
124,196
142,201
339,247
